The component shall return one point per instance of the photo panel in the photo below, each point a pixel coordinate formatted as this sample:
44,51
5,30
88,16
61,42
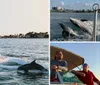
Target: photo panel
74,63
74,20
24,42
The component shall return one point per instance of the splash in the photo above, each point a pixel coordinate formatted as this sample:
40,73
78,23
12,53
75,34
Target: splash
12,61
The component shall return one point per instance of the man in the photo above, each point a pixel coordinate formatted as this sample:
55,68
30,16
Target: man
86,76
57,63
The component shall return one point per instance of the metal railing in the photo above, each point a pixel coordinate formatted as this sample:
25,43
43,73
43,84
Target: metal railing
95,8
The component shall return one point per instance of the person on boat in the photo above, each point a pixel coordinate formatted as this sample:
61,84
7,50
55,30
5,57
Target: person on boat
57,63
86,76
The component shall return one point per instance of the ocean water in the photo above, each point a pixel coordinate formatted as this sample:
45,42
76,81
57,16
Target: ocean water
16,52
56,18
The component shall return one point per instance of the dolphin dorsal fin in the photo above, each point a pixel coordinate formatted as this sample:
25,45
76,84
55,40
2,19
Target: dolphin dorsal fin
33,61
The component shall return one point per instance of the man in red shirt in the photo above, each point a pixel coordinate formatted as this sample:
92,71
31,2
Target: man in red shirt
86,76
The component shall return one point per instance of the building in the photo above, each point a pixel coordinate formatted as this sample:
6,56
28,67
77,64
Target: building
57,8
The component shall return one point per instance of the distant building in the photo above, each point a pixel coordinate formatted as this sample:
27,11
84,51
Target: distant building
54,8
57,8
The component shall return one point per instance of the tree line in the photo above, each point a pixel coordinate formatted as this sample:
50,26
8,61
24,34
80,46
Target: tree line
28,35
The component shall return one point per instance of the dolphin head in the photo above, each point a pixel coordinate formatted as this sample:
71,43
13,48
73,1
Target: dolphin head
62,26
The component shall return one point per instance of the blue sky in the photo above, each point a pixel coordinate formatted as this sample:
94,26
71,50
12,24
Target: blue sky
89,51
74,4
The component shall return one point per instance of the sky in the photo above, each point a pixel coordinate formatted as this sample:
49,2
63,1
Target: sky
89,51
22,16
74,4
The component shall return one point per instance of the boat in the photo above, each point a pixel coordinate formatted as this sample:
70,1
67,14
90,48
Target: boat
72,59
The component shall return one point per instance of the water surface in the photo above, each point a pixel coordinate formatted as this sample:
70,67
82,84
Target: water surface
16,52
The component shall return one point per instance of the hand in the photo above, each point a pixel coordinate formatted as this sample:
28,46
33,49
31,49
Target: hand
54,67
98,82
63,68
72,71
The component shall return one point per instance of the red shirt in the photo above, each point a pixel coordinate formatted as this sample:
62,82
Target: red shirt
89,78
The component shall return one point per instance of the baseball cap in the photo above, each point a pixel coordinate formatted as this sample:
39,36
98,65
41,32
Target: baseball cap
85,64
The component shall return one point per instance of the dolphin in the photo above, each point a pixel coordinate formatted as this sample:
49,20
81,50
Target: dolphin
67,31
31,66
85,25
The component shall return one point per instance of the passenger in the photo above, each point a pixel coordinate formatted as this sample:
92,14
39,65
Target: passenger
57,63
86,76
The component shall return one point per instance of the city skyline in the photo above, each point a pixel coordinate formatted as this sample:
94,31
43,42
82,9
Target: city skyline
89,51
71,4
22,16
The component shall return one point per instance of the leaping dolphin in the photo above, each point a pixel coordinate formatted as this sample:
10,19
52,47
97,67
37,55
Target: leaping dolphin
67,31
31,66
85,25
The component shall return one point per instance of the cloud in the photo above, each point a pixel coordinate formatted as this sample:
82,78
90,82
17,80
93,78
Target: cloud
62,3
77,2
88,4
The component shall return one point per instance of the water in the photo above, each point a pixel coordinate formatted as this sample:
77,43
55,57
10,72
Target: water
56,18
16,52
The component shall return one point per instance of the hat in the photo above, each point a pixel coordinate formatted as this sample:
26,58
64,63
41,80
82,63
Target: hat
85,64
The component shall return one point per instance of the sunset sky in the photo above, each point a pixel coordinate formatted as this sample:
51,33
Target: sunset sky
22,16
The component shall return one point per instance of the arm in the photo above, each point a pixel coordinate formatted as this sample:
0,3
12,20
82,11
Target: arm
54,67
59,67
95,79
64,67
78,73
98,82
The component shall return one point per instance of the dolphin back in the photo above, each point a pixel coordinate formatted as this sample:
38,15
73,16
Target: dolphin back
37,66
31,66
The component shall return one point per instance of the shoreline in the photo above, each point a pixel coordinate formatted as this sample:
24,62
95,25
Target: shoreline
73,12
